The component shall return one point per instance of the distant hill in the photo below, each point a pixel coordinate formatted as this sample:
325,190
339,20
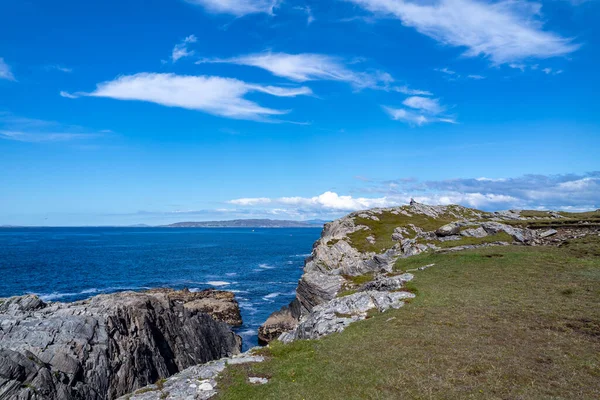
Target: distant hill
249,223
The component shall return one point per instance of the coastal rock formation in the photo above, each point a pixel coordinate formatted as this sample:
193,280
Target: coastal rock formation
194,383
369,243
111,344
336,314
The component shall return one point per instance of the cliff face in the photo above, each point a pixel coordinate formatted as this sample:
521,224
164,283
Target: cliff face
369,243
110,345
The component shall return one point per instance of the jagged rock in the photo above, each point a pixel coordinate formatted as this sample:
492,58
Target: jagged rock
474,232
518,234
509,214
279,322
379,263
448,229
399,233
548,233
315,288
105,346
337,314
219,304
387,283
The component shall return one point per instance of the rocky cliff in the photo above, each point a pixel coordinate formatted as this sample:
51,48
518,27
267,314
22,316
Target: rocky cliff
110,345
365,246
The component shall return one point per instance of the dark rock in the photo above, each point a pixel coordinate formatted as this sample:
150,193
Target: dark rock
279,322
108,345
219,304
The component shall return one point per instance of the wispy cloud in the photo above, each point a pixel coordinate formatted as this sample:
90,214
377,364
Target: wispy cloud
425,104
38,131
67,95
504,31
310,18
314,67
550,71
211,94
181,50
237,7
453,75
5,71
446,71
57,67
421,111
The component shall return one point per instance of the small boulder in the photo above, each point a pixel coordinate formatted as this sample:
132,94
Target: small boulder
448,229
548,233
279,322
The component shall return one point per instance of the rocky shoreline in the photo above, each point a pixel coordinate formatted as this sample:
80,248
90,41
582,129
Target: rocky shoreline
110,345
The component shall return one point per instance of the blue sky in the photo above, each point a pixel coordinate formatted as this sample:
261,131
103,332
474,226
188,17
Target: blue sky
117,112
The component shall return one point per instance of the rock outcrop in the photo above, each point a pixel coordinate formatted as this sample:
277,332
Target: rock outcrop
371,242
109,345
194,383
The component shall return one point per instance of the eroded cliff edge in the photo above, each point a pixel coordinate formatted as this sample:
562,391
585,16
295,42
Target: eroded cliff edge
351,268
110,345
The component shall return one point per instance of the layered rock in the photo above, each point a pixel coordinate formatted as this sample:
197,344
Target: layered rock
109,345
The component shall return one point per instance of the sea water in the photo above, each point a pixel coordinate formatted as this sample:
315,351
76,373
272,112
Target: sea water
261,266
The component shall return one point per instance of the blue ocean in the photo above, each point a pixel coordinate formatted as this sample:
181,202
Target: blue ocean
261,266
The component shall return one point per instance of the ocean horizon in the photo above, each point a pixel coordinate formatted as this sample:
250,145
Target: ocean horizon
260,265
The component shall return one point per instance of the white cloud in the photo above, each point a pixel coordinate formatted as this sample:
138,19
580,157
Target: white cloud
68,95
563,192
238,7
310,18
5,72
411,92
43,136
312,67
37,131
250,201
410,117
325,201
503,31
60,68
428,110
214,95
181,50
426,104
415,118
476,77
446,71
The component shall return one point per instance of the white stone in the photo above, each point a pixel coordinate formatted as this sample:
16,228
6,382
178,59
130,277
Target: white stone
258,380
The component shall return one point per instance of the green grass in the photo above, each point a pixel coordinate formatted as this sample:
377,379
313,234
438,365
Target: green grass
332,242
465,241
511,322
359,279
383,229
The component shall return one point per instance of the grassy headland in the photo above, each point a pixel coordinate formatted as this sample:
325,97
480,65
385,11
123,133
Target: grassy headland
509,322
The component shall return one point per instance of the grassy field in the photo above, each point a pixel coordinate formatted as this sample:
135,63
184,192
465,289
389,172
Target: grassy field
494,323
